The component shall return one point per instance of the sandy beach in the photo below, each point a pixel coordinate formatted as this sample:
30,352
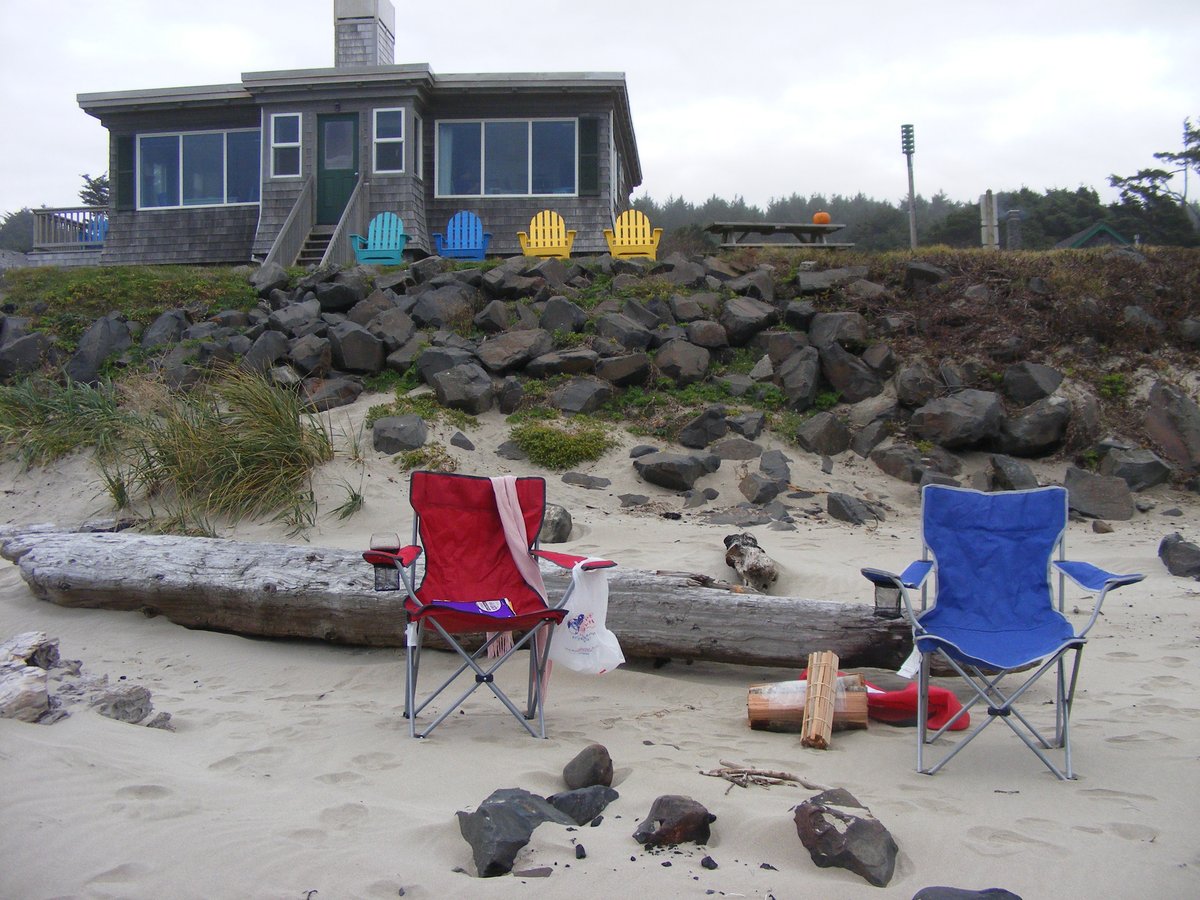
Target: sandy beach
290,773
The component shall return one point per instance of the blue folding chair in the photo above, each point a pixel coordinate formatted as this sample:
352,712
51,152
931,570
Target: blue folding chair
992,558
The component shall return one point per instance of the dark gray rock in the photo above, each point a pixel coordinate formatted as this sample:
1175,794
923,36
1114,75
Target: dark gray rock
916,384
919,276
1182,558
799,377
683,362
433,360
335,297
744,317
591,482
938,892
870,436
647,317
748,424
778,345
810,282
106,337
509,394
704,428
24,354
673,471
1036,430
1008,474
702,305
591,766
1098,496
1137,317
775,465
799,314
823,433
355,349
966,419
624,371
561,314
510,450
444,307
1141,469
268,349
1173,423
1028,382
576,361
852,378
737,448
394,327
556,525
460,440
907,463
760,487
366,310
581,395
312,356
880,359
848,329
838,831
327,393
502,825
167,329
846,508
624,330
392,434
466,386
513,349
583,804
296,319
493,318
759,284
125,703
707,334
269,277
674,819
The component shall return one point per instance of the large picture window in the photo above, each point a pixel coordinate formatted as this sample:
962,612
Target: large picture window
285,145
389,140
208,168
506,158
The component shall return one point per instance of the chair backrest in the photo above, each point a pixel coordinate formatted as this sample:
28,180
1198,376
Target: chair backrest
466,556
386,232
632,227
993,551
547,229
464,230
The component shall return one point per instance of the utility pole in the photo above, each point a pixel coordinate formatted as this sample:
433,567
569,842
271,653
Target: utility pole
908,145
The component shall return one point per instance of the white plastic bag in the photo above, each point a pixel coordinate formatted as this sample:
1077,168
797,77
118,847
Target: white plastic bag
582,641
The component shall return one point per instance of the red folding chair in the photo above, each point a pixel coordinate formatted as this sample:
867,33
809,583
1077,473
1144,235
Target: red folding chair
472,583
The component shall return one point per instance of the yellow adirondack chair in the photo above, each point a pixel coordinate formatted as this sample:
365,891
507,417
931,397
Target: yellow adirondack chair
548,236
631,236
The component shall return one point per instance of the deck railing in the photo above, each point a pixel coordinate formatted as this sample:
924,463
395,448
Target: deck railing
296,226
353,221
70,228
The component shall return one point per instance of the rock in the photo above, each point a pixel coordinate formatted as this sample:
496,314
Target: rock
591,482
167,329
624,330
461,441
556,525
337,298
673,471
870,436
391,434
24,354
444,307
775,465
839,831
1028,382
467,387
704,429
510,450
823,433
583,804
847,329
907,463
581,395
576,361
269,277
591,766
125,703
106,337
1038,429
502,825
1008,474
809,282
674,819
919,276
624,371
509,394
948,893
759,284
1173,422
434,360
321,394
562,315
394,327
1140,469
760,487
707,334
799,377
852,378
514,349
24,695
964,419
845,508
748,424
629,500
737,448
683,362
1182,558
1098,496
267,349
916,384
744,317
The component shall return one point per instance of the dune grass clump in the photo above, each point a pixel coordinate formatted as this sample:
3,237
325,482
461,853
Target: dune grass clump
43,420
242,448
431,457
555,445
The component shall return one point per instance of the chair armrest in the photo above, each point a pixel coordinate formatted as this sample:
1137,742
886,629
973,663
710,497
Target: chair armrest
1093,578
358,241
402,558
912,577
569,561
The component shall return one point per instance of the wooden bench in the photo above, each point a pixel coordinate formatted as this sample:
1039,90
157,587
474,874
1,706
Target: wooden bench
548,236
384,243
464,238
631,236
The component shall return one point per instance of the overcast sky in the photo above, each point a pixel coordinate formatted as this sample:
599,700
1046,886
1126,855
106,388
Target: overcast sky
755,98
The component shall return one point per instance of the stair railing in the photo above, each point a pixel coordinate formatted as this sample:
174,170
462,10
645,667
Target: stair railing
299,222
353,221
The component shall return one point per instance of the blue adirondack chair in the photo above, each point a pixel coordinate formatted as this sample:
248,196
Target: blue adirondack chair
464,238
95,230
384,243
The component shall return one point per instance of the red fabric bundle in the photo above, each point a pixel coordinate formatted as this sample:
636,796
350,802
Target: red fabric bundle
900,707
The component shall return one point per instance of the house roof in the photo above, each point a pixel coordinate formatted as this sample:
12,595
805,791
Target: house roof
1088,236
97,104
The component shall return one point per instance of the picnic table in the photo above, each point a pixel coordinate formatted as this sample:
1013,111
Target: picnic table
802,234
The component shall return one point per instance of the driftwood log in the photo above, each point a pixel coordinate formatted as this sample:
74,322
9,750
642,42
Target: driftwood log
290,591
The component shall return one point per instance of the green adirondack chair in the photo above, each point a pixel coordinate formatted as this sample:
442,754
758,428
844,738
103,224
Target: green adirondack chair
384,243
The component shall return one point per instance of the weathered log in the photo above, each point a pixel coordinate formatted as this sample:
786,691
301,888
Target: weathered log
289,591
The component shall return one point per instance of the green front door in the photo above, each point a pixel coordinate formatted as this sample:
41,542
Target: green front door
337,165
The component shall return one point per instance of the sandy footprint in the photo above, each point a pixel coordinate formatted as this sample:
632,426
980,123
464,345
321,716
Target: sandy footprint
121,874
1005,842
346,815
1131,831
144,792
1130,801
376,762
307,835
1122,656
341,778
1142,737
1174,662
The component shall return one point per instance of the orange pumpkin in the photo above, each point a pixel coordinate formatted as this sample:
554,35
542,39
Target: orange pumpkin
821,218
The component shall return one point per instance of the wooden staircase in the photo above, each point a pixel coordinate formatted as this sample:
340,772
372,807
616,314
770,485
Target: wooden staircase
315,246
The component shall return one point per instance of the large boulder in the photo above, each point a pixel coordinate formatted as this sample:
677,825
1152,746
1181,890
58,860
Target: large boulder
1027,382
513,349
106,337
624,371
744,317
465,386
674,819
1098,496
823,433
624,330
1182,558
965,419
561,314
1140,469
392,434
849,329
916,384
675,471
1036,430
683,362
852,378
581,395
704,428
24,354
444,307
355,349
1173,422
799,376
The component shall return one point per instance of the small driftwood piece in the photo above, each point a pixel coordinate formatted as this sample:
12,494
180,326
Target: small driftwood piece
757,570
817,728
290,591
744,776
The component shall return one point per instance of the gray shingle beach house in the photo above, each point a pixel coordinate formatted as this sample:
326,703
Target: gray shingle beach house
286,165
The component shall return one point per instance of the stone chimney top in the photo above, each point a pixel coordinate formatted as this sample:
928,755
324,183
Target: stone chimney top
364,33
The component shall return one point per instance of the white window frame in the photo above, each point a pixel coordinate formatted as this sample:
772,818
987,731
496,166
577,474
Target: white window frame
376,140
437,159
419,146
224,132
298,144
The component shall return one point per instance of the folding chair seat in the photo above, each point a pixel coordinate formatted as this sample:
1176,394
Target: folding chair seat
989,559
476,541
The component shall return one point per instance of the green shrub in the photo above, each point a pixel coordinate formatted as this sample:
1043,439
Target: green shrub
1113,386
42,420
432,456
557,446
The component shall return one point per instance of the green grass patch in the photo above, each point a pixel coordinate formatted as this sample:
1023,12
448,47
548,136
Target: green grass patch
432,457
424,405
561,445
42,420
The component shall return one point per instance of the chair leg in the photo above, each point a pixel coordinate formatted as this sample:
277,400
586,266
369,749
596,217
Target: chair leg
412,654
922,710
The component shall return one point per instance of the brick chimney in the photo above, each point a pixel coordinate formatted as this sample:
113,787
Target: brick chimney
364,33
